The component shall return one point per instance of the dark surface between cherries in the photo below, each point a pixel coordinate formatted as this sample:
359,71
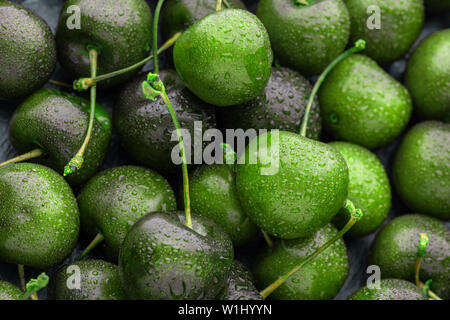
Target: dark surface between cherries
358,248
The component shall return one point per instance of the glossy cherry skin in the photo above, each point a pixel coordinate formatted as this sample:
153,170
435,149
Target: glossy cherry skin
162,259
120,30
39,216
225,58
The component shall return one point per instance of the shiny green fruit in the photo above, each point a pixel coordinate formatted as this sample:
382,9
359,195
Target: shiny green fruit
97,280
280,106
390,289
428,77
306,37
119,29
56,122
368,189
225,58
162,259
388,27
421,169
145,127
291,186
213,195
27,51
321,279
394,250
39,219
363,104
240,284
112,201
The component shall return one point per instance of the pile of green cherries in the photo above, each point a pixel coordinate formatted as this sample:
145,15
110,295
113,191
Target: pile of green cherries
155,229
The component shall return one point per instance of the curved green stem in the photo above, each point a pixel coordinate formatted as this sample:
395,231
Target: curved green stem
358,46
76,162
187,200
355,215
36,153
225,2
268,239
21,272
94,243
152,89
34,285
155,35
421,250
60,84
83,84
218,5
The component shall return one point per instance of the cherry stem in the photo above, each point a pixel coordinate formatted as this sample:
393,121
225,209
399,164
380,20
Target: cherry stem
187,200
34,285
268,239
421,250
21,272
358,46
83,84
76,162
94,243
155,36
152,89
36,153
225,2
355,215
218,5
60,83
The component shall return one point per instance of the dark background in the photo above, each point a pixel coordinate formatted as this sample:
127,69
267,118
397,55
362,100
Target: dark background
358,248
